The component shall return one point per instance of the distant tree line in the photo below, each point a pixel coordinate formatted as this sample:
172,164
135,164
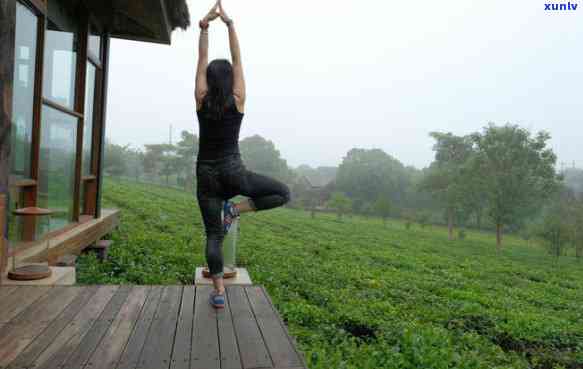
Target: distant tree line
502,178
175,164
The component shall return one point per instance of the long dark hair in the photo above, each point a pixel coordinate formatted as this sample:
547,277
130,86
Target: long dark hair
219,98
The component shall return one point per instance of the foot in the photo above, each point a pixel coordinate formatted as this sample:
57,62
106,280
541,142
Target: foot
230,213
217,300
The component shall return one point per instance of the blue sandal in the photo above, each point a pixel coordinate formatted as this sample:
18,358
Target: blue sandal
217,301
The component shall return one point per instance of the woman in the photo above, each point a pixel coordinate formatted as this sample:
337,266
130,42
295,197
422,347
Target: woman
221,175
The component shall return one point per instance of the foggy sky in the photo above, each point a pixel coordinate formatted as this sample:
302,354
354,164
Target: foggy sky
326,76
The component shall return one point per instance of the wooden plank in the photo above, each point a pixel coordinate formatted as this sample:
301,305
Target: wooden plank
230,357
63,109
253,352
108,353
83,352
205,340
20,300
131,355
181,351
21,331
6,291
279,344
157,350
50,334
70,337
76,239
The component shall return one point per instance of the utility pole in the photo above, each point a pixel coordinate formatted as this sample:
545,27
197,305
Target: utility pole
170,135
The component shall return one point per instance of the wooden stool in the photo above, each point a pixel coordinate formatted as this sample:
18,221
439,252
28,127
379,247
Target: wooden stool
31,272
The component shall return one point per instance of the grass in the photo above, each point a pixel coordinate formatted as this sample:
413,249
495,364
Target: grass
359,295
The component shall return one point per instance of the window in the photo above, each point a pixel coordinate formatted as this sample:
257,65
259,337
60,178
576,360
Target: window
60,65
23,99
88,125
57,166
14,226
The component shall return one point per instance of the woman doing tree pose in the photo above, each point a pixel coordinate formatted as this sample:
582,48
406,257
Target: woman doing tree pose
221,175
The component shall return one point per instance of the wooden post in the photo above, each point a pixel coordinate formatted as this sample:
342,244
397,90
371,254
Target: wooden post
102,120
7,41
80,108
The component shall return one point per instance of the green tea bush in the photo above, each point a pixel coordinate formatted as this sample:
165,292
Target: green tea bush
357,295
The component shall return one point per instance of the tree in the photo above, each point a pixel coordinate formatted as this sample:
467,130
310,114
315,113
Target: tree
382,208
574,180
448,174
555,228
423,218
161,160
261,156
114,159
186,151
358,206
341,203
368,174
320,176
578,229
518,172
134,159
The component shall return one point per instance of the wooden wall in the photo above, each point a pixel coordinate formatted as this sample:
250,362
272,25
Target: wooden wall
7,39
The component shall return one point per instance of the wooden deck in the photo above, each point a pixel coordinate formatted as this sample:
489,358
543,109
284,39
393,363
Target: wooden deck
141,327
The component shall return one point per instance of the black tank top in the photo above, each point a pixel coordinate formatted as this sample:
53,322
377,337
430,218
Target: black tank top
219,138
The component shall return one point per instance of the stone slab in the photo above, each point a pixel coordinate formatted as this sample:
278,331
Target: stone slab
242,279
61,276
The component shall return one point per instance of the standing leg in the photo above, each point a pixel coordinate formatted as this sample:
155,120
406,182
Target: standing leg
211,212
211,205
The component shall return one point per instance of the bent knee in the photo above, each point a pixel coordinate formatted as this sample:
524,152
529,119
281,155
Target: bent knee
286,194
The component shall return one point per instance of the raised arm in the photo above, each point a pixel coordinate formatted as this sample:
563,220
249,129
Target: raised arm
201,86
238,78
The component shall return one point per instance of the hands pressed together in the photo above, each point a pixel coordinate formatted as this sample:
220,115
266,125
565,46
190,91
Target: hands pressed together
217,11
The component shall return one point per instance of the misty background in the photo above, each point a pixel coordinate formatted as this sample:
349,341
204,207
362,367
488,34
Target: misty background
325,77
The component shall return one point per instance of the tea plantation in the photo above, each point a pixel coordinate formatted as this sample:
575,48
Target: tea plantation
359,295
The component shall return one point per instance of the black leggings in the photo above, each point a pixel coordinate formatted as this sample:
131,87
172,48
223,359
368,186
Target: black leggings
221,180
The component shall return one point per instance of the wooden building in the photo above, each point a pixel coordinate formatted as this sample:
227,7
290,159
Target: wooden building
54,61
